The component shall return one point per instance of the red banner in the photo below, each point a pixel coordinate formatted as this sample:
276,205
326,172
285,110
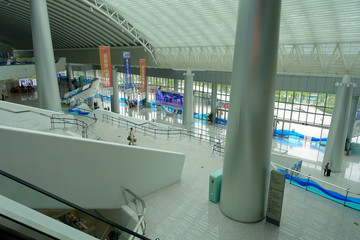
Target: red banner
105,62
142,76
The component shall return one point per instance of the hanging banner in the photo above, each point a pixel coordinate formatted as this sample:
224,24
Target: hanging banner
127,70
142,76
105,62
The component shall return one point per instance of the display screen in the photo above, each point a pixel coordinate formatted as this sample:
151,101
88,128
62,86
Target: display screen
27,82
169,99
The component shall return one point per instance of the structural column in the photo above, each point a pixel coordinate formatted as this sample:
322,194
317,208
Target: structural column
146,91
176,85
248,140
48,89
334,152
69,75
116,107
214,100
353,111
188,110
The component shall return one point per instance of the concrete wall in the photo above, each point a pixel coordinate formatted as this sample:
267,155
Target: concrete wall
86,172
26,70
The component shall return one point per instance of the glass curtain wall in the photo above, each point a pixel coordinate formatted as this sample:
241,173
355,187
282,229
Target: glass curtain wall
297,111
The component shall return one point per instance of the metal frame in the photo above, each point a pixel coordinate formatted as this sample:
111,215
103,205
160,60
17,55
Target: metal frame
112,15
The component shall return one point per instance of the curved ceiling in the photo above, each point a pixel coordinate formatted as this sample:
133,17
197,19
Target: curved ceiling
320,37
73,24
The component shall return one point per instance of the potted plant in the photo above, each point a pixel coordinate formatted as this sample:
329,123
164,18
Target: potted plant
210,117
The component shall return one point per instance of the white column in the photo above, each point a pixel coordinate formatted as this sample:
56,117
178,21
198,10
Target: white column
353,111
188,110
176,85
146,91
248,140
48,89
334,152
115,96
69,74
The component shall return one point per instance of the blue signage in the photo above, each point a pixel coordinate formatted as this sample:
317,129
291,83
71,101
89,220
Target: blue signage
127,70
170,99
126,54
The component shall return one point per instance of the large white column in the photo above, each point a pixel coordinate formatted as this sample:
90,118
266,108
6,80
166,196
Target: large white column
116,107
353,111
188,110
48,89
334,152
248,140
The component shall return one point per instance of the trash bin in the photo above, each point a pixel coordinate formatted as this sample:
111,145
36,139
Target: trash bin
215,186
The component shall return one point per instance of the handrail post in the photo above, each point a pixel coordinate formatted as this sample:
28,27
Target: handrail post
64,124
119,122
180,133
52,124
155,133
347,192
77,125
168,133
291,176
307,184
189,131
200,138
213,150
210,141
107,119
112,121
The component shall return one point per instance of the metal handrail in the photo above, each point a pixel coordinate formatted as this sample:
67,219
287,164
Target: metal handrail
72,205
140,216
347,190
65,121
157,131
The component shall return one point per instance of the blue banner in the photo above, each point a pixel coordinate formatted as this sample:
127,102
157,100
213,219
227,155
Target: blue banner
127,70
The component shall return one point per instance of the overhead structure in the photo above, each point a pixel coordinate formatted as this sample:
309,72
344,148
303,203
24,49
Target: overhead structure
316,37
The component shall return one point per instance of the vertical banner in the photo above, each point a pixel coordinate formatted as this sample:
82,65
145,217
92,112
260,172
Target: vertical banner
142,76
105,62
127,70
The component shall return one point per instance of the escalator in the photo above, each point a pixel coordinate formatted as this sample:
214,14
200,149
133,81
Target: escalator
42,215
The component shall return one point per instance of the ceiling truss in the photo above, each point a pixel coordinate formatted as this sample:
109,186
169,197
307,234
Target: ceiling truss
323,59
112,15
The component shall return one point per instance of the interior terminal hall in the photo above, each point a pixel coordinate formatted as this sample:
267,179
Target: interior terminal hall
179,119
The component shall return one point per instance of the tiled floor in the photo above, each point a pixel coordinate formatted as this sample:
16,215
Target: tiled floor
182,210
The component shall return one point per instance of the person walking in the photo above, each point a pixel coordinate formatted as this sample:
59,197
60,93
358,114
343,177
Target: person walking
131,137
326,168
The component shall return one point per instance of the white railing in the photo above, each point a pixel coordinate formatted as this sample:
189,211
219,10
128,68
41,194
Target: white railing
313,185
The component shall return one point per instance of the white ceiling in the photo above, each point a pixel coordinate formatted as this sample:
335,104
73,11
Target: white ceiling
190,23
316,36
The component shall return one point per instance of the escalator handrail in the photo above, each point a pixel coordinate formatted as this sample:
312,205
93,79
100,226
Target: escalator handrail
59,199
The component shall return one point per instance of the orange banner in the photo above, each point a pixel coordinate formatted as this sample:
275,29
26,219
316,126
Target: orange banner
105,62
142,76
